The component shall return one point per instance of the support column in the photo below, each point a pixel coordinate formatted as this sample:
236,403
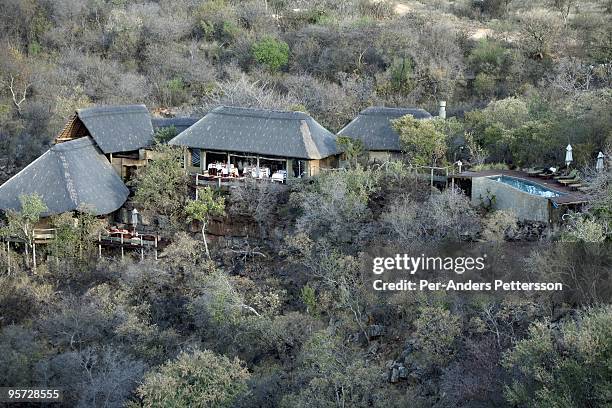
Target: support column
156,247
8,255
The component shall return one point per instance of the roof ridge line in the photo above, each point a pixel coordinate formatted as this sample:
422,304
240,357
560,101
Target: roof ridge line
72,192
219,111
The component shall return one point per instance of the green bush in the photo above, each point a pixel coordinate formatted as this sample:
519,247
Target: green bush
164,135
435,334
487,56
272,53
569,365
199,379
484,84
424,144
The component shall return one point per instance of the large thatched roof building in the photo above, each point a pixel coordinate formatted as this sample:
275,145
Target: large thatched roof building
122,132
115,129
284,140
68,176
374,129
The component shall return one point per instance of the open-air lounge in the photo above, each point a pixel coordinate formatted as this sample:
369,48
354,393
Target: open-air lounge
237,143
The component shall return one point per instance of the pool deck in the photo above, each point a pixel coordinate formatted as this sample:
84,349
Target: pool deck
570,197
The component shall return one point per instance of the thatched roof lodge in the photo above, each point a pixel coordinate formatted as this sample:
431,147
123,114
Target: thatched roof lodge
122,132
246,137
374,129
115,129
68,176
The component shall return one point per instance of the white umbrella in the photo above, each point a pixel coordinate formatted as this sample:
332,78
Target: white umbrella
600,162
459,164
568,155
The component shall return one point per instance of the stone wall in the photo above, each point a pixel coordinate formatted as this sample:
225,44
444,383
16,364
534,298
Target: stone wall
526,206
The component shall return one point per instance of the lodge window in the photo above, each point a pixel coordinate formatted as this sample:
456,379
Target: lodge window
195,157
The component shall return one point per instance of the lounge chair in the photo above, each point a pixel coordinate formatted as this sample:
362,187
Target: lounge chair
572,174
549,173
586,189
535,172
576,186
572,181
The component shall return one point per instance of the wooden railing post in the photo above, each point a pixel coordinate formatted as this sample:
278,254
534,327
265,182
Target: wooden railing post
8,255
156,247
34,254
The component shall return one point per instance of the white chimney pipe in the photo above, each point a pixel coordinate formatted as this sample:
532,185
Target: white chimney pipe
442,112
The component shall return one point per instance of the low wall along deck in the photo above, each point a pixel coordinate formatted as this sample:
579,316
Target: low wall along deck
526,206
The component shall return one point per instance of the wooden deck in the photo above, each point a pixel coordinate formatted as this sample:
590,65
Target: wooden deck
569,196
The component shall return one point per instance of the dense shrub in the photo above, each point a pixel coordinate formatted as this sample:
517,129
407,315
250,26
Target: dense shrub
565,365
272,53
197,379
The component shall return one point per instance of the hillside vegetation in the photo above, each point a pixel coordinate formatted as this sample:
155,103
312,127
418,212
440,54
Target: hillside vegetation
330,58
263,295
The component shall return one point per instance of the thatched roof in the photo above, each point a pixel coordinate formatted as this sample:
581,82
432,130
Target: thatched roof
180,124
67,176
119,128
373,127
265,132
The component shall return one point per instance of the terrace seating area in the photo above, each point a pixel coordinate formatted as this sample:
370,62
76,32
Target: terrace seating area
570,178
221,173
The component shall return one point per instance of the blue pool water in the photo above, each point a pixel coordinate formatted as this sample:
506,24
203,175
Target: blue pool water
527,186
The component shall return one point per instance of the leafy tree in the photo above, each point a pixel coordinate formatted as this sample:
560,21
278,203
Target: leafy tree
271,52
484,84
165,134
569,365
535,143
420,140
74,236
198,379
21,223
353,149
161,186
207,205
487,56
436,331
330,374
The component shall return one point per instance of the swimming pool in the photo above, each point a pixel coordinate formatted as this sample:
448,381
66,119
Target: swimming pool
527,186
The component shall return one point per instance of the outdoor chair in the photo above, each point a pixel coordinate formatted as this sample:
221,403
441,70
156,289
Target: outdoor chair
548,173
572,174
571,181
535,172
584,189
